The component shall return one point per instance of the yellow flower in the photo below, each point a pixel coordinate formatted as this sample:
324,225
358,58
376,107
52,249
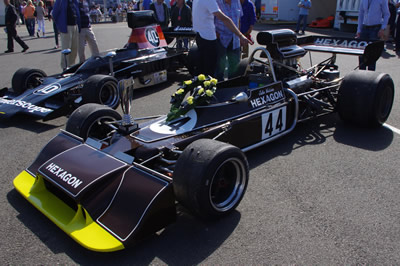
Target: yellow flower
187,82
200,91
180,91
209,93
207,83
190,100
201,77
214,81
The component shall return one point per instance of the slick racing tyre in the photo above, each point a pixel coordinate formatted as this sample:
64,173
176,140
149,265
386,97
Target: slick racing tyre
26,78
241,68
210,178
101,89
88,121
192,60
365,98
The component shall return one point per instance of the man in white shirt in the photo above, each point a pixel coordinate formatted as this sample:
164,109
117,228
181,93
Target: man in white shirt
203,13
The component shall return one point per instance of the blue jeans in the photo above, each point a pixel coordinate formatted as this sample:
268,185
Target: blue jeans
304,19
369,34
30,25
227,57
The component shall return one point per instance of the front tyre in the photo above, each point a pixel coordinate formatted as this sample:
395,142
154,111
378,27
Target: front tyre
26,78
210,178
89,121
101,89
365,98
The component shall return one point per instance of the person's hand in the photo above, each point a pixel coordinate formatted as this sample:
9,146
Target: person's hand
357,35
381,34
244,40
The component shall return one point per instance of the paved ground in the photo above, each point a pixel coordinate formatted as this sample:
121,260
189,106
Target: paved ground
325,194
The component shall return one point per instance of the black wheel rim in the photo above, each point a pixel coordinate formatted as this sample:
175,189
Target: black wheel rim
98,129
32,81
227,185
109,94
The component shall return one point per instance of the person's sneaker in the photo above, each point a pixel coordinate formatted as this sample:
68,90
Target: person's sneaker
37,34
8,51
24,50
296,31
303,32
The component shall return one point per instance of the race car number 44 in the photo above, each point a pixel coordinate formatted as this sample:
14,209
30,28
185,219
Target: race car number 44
273,122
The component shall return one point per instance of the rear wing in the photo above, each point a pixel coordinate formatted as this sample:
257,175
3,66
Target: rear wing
339,45
370,50
179,32
283,43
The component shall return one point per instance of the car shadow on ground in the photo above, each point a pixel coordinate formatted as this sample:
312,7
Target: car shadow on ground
316,132
31,124
186,242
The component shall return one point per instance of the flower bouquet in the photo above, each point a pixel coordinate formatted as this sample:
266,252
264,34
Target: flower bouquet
201,90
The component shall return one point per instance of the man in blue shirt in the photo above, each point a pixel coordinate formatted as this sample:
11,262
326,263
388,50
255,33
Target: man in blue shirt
304,5
246,23
67,18
146,4
228,43
373,17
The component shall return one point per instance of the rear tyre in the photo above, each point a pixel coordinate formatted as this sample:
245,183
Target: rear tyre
241,68
365,98
210,178
101,89
192,61
89,121
26,78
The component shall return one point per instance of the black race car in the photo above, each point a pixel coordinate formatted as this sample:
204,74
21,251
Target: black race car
146,57
108,181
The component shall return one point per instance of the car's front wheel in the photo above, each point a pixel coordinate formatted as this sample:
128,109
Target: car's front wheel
101,89
89,121
210,178
365,98
26,78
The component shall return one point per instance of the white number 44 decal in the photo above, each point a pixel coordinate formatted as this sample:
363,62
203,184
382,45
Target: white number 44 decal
273,122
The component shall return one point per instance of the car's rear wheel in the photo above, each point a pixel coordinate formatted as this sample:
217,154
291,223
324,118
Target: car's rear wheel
26,78
101,89
192,61
365,98
210,178
89,121
241,68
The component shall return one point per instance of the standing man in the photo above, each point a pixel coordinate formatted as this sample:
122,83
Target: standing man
228,42
203,13
373,17
86,34
247,22
397,36
67,18
11,18
181,15
304,5
258,8
162,13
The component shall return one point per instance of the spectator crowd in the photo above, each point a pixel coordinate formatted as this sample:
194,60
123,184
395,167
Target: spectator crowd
223,26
